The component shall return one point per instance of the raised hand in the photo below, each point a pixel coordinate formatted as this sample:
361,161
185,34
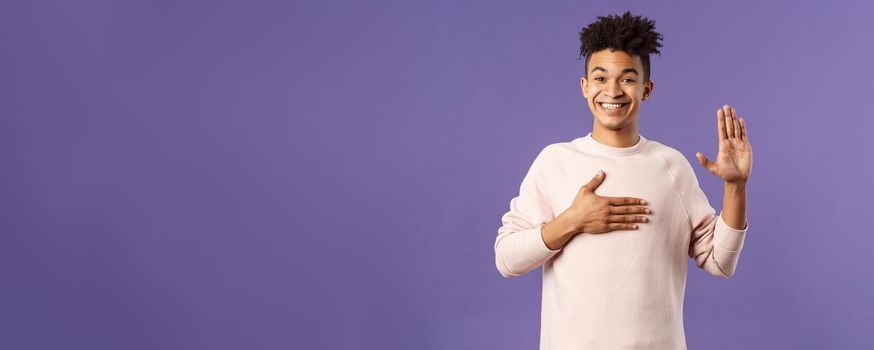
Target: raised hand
734,162
591,213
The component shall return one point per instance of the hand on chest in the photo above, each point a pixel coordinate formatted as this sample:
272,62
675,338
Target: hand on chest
649,180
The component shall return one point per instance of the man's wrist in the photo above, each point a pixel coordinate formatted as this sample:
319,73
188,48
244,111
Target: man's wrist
566,225
556,233
738,186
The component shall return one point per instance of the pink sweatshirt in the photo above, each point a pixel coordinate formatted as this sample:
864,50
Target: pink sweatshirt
620,289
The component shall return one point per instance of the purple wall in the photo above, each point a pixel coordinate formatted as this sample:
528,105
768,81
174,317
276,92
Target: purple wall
268,175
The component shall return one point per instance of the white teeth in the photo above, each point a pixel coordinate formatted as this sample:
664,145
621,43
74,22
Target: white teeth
610,105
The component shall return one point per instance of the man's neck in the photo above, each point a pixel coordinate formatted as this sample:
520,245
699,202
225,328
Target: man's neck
625,137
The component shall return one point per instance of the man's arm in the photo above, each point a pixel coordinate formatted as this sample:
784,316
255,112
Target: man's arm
530,235
716,244
519,246
734,205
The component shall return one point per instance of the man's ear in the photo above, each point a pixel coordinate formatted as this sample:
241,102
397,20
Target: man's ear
647,89
583,84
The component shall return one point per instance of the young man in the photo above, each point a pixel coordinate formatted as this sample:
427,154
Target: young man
611,216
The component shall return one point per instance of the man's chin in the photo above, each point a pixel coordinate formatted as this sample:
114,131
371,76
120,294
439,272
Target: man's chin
613,122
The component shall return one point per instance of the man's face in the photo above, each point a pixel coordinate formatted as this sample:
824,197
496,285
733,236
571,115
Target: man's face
615,88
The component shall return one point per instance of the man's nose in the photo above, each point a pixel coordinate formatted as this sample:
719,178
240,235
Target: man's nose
613,90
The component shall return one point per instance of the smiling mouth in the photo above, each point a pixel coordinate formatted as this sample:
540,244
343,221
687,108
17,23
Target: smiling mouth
612,106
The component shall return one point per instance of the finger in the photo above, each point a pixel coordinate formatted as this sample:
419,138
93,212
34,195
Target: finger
595,181
626,218
706,163
625,201
627,209
736,123
720,124
743,130
618,226
729,125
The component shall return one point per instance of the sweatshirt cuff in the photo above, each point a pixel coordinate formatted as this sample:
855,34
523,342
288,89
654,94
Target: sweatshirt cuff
534,246
730,238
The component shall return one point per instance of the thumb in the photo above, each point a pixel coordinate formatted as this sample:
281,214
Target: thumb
706,163
595,182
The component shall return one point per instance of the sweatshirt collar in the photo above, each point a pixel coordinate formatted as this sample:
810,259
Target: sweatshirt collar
587,143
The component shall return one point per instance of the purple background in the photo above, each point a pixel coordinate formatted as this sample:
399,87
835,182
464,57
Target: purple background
330,175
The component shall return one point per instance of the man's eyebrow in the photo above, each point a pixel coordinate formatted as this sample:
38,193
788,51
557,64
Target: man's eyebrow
626,70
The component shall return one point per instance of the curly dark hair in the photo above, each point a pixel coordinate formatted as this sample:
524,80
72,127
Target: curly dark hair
635,35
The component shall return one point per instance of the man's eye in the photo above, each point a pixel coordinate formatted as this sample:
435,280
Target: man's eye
628,80
599,78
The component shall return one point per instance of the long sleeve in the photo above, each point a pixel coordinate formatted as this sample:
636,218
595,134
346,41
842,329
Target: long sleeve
519,246
713,245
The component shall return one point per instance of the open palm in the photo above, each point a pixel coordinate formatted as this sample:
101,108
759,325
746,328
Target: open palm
734,162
